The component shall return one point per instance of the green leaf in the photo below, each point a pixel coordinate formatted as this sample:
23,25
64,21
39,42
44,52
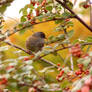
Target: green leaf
23,19
12,86
51,37
1,26
75,41
66,14
31,7
40,18
49,8
61,36
20,25
69,4
58,21
70,24
89,39
22,31
90,70
24,12
20,10
70,33
88,48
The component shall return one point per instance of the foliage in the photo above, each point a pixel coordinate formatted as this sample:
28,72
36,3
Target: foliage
4,4
19,73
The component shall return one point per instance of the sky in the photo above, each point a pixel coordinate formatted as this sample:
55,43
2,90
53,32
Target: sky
13,10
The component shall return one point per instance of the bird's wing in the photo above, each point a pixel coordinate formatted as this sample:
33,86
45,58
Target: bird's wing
34,44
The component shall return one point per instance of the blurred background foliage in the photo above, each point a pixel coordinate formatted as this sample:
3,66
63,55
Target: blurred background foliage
19,39
4,4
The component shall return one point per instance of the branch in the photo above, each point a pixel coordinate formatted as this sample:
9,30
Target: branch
75,15
4,2
41,57
83,44
46,61
27,24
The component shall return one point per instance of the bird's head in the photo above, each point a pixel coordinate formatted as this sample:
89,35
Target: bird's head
39,34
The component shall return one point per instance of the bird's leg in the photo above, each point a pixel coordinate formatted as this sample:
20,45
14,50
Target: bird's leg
29,52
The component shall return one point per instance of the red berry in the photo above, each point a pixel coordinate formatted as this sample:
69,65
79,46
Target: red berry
32,56
78,91
78,72
63,66
86,6
26,58
37,3
9,67
77,45
86,72
43,2
29,16
76,50
80,66
33,22
67,20
85,55
88,82
85,89
32,2
59,75
57,78
45,10
37,12
58,64
3,81
66,89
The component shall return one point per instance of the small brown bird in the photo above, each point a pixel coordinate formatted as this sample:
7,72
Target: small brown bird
35,42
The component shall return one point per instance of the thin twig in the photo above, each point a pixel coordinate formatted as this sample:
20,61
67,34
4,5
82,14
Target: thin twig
46,61
27,24
41,57
75,15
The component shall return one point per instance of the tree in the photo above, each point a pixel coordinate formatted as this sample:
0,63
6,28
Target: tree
19,74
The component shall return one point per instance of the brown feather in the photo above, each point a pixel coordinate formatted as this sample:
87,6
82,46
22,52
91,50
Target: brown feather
34,43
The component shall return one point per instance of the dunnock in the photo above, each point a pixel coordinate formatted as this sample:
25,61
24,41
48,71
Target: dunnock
35,42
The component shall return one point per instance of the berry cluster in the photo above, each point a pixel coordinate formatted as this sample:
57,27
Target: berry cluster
28,58
60,74
38,11
76,50
3,81
87,87
81,71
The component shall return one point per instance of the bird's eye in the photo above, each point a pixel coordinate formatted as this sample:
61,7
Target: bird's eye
42,35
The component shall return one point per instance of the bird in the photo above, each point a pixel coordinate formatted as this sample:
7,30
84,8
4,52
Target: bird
35,42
